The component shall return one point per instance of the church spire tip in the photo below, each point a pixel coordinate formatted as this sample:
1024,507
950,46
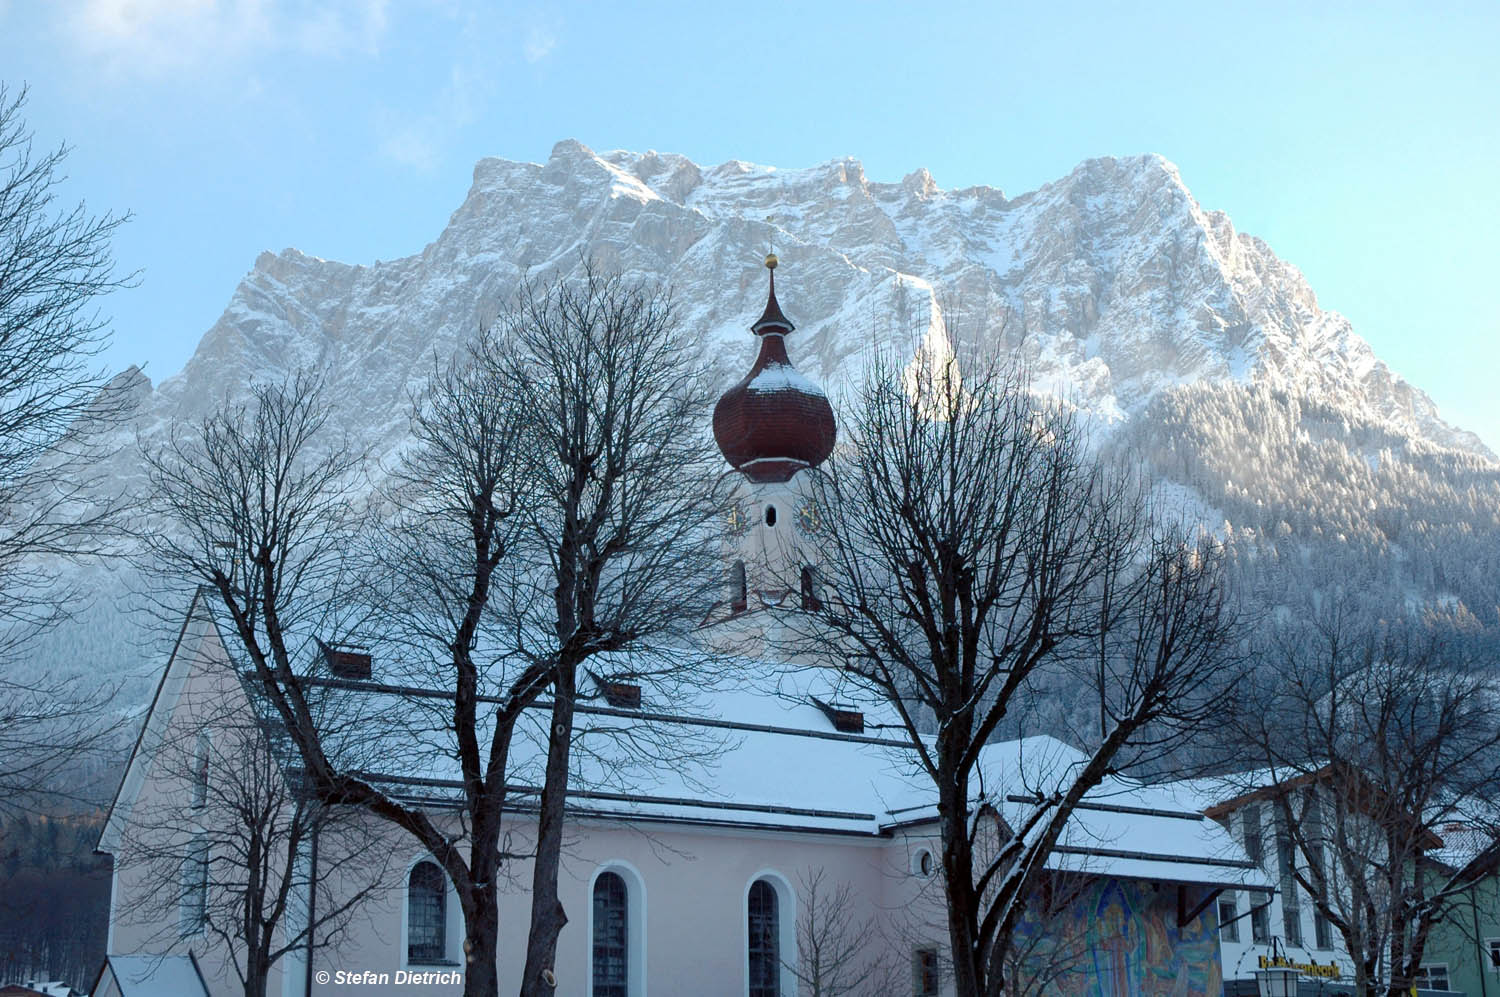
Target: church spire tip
772,320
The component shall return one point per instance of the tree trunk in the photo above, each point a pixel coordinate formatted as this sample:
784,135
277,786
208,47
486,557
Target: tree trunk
958,870
257,969
547,914
482,942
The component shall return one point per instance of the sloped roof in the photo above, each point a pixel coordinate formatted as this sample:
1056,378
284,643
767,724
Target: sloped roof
163,701
1217,796
746,746
155,975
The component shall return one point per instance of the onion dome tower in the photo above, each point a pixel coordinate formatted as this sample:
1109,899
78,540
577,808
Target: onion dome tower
774,422
771,425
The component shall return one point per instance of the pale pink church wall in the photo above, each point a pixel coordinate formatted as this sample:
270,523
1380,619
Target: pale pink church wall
207,687
695,880
695,885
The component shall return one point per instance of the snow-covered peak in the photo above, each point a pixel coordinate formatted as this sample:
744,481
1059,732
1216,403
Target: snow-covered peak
1112,282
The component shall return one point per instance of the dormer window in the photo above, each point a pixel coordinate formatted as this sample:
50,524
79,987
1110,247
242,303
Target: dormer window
347,661
619,692
845,719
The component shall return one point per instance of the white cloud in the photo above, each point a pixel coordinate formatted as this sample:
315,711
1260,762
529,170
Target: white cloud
417,140
539,44
152,38
410,143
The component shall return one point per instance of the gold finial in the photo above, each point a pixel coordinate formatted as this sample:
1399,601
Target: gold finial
770,261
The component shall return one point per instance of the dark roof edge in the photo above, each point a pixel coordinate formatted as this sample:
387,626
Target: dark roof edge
666,801
146,719
609,711
1121,853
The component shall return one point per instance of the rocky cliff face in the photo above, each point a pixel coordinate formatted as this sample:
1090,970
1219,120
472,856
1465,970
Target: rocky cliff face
1112,282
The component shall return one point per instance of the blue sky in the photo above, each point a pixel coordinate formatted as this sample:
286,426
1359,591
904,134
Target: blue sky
1361,141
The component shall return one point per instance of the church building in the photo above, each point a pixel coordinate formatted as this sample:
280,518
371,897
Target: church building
683,879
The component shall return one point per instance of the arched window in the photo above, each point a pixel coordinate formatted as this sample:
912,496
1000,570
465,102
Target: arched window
200,772
738,598
611,952
810,600
426,917
192,908
764,942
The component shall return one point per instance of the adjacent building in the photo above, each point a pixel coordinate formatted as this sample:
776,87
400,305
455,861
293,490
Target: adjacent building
1286,928
1463,951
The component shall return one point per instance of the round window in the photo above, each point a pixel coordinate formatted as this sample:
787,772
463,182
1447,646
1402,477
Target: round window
924,863
770,515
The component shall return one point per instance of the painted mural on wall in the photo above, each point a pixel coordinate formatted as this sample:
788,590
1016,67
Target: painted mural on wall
1120,939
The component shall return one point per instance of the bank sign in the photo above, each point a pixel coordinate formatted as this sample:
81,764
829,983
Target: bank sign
1330,971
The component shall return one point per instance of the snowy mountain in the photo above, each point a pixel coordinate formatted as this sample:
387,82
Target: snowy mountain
1112,283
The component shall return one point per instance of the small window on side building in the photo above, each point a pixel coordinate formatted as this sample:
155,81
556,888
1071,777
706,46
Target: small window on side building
1433,976
1260,923
925,980
193,907
1322,930
1255,848
1286,864
1229,925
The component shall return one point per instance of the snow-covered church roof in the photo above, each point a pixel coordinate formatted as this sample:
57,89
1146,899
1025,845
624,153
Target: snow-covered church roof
755,746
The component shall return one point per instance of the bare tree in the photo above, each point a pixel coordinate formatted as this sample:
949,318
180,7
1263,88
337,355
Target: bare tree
548,514
1376,736
619,549
267,514
839,953
972,542
454,518
54,266
242,853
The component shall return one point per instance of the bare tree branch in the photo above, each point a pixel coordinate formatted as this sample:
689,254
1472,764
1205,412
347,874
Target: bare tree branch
973,542
619,556
228,849
55,263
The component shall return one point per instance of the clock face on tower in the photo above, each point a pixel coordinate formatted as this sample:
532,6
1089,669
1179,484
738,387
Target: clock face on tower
808,519
738,520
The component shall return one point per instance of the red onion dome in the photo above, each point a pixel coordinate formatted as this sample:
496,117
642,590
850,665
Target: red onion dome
775,422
